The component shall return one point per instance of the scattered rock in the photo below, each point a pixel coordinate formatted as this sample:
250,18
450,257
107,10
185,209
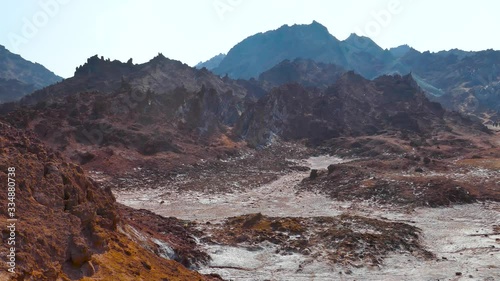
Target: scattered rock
146,265
427,160
331,168
79,252
314,174
252,220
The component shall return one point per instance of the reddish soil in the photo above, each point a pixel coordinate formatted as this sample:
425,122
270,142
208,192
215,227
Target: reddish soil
67,226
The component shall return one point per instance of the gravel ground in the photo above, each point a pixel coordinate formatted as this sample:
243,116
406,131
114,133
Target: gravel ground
462,236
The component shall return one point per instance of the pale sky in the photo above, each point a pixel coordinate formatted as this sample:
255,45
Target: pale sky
62,34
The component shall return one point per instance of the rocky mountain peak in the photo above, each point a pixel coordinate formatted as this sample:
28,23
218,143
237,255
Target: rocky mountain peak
262,51
96,65
362,42
211,63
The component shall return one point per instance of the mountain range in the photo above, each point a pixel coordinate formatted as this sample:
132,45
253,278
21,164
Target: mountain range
165,106
460,80
165,130
464,81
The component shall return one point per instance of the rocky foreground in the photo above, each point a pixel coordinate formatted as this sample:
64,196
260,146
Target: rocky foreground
382,211
68,227
381,207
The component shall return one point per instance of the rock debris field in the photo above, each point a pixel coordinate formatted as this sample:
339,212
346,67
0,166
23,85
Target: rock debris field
277,231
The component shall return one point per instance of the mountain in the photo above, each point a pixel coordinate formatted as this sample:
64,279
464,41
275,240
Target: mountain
19,77
211,63
262,51
111,110
466,82
353,106
68,226
400,51
460,80
457,52
306,72
365,56
160,75
13,89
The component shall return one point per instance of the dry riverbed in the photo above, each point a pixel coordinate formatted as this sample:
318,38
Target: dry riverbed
462,238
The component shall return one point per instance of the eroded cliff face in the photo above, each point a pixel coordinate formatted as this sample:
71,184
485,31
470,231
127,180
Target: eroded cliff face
353,106
67,226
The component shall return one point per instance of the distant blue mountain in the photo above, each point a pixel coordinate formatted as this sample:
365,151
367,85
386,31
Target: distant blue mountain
262,51
19,77
211,63
400,51
464,81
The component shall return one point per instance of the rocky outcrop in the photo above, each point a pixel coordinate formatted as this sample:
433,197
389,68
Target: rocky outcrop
169,236
353,106
63,216
67,226
342,240
159,75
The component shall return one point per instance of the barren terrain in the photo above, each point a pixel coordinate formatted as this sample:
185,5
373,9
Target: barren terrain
264,222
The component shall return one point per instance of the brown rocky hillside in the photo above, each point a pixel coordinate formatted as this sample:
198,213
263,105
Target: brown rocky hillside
353,106
68,227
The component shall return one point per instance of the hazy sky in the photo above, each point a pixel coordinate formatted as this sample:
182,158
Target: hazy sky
62,34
